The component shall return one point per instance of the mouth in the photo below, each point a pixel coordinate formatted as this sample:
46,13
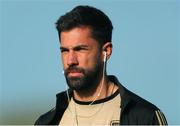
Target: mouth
75,74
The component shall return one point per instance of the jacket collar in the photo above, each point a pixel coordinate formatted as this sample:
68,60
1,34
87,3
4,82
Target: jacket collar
124,93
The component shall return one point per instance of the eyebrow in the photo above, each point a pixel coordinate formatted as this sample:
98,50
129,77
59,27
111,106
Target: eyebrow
75,47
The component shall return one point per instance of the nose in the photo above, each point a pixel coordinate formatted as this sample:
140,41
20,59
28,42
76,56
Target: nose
72,59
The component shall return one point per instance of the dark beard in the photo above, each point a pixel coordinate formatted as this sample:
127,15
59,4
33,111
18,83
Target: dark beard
88,81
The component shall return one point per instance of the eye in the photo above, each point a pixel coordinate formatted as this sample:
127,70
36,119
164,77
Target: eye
80,49
63,50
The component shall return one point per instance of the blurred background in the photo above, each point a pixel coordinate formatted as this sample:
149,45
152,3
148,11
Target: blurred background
146,54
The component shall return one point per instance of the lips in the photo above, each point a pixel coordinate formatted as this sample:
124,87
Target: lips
75,74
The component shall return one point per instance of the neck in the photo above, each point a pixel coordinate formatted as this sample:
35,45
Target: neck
102,90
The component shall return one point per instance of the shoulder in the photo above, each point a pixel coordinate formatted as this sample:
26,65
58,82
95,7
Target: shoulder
142,111
137,102
45,118
142,105
52,116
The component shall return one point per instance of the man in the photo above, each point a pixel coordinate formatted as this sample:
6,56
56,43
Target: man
93,97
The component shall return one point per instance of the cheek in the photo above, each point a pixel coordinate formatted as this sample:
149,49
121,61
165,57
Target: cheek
63,60
89,61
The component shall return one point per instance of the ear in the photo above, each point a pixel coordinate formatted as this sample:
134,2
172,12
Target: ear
107,47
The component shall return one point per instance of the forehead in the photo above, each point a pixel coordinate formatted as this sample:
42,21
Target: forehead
77,36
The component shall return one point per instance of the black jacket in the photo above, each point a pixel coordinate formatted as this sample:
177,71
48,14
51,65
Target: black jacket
134,110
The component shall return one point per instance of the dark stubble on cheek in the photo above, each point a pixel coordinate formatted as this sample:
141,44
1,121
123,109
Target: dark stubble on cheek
88,81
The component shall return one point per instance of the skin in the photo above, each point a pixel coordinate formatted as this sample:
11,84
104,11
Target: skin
79,49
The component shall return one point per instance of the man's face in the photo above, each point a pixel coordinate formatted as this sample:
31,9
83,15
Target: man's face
81,57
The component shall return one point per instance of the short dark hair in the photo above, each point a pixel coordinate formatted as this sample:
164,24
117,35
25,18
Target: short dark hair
94,18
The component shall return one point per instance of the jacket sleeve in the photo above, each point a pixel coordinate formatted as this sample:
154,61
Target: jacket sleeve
159,118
